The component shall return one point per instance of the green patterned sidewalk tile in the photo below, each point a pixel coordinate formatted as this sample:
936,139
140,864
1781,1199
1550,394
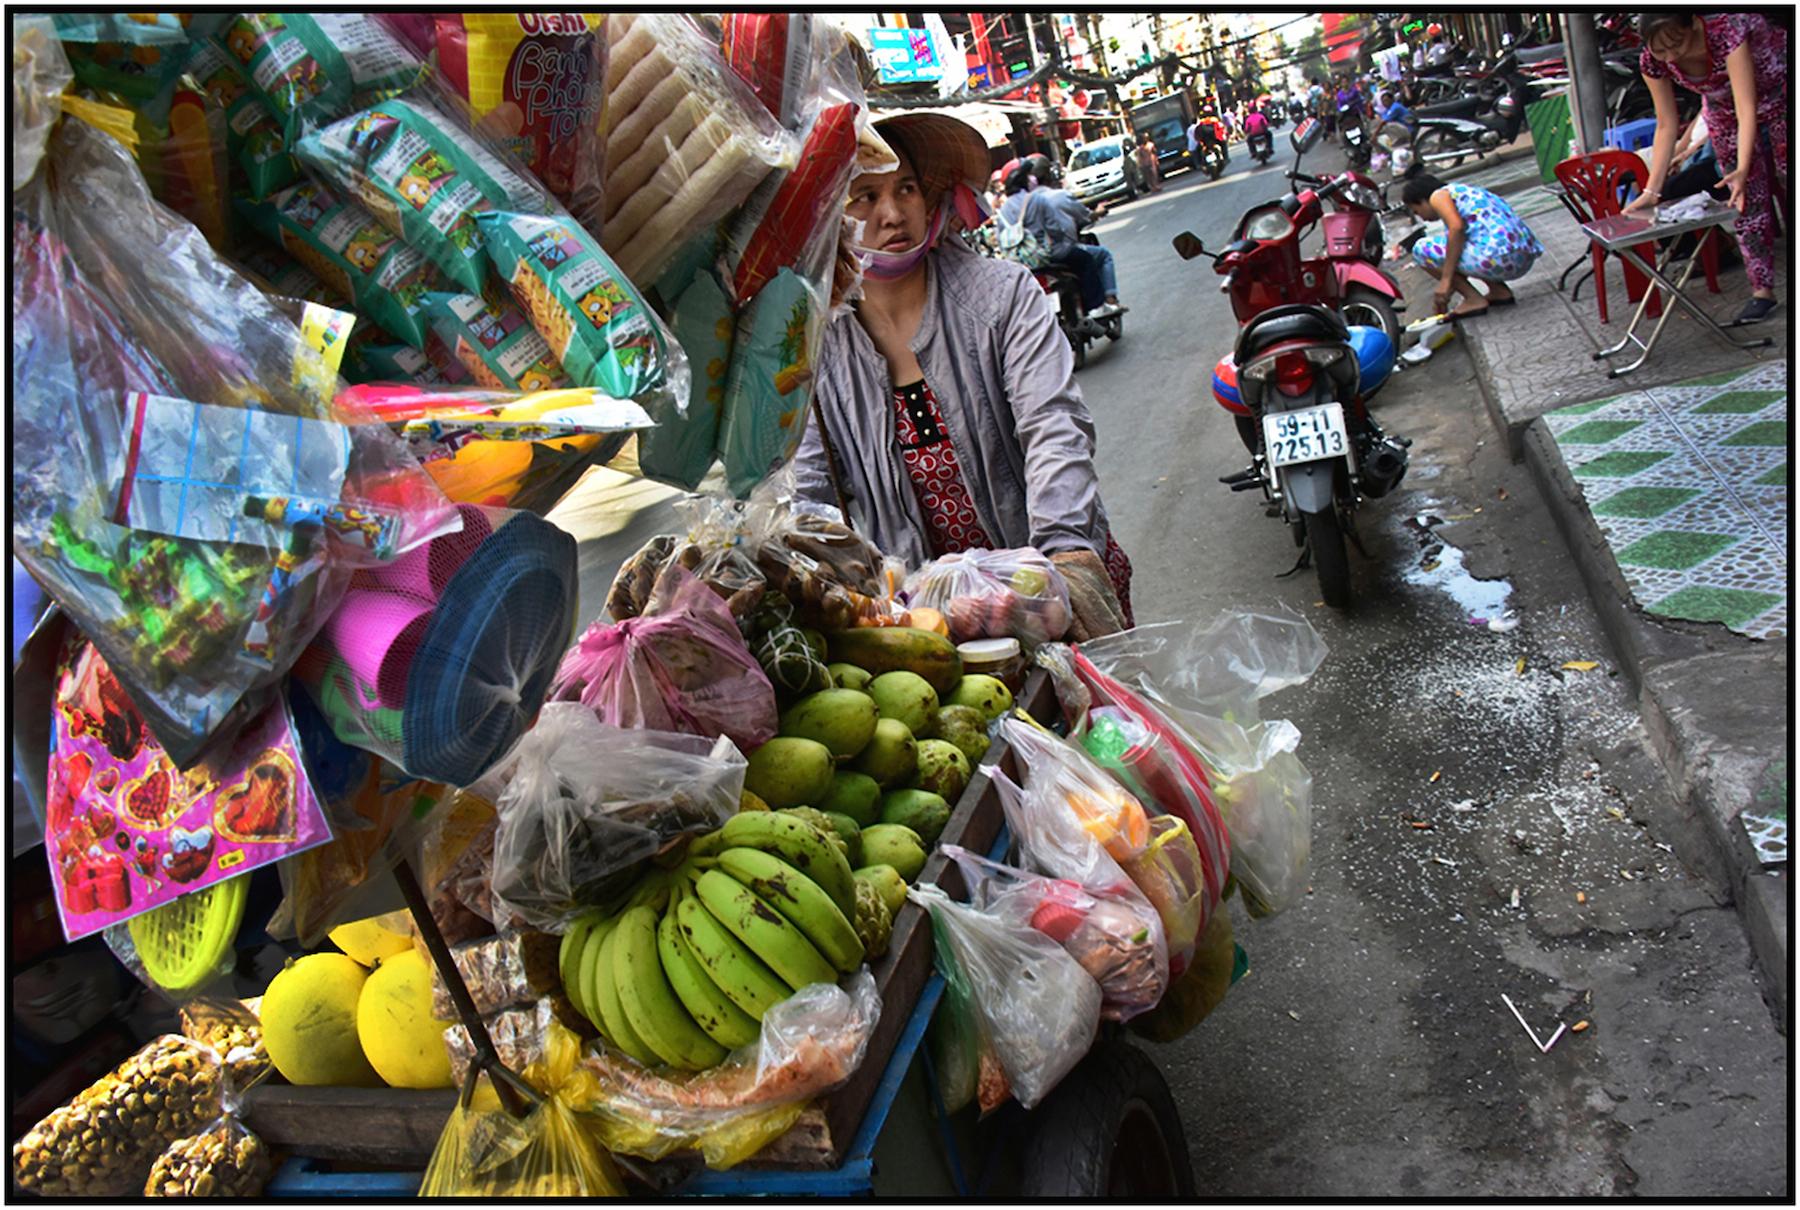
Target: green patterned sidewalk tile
1734,607
1645,502
1621,464
1599,432
1674,549
1582,409
1763,432
1743,402
1715,380
1774,477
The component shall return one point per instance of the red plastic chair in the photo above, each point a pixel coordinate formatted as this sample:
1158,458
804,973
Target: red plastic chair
1594,183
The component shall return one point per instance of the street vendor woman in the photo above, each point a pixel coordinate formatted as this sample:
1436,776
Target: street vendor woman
950,415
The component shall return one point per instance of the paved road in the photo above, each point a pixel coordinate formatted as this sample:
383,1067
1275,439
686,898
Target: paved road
1368,1051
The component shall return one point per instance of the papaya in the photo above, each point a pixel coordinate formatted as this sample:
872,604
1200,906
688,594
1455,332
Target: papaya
882,649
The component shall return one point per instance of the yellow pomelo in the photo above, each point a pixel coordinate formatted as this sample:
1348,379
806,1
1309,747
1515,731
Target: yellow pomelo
309,1022
368,941
404,1042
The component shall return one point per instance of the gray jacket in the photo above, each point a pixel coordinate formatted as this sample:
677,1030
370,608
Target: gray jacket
1004,378
1051,213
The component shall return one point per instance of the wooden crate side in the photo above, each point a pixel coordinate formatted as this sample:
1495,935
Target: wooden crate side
397,1127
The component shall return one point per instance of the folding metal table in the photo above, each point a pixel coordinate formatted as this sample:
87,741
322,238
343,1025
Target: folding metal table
1621,233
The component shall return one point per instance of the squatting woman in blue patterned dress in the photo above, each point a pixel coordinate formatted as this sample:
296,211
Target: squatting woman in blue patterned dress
1483,239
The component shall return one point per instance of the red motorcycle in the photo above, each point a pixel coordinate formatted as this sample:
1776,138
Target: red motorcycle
1263,267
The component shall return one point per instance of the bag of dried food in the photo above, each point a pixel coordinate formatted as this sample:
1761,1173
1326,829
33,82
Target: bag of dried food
586,804
105,1141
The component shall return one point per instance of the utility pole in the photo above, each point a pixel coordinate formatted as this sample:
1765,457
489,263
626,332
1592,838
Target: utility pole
1587,82
1097,48
1049,118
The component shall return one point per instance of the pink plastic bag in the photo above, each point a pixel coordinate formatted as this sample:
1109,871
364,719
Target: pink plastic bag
681,666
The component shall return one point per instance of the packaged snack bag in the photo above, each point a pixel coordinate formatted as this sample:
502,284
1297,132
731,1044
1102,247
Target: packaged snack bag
352,253
253,137
410,165
308,67
494,342
537,82
592,316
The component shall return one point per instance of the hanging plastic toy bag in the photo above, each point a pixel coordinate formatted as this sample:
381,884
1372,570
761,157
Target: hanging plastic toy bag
1208,682
181,483
552,1152
1040,1009
682,665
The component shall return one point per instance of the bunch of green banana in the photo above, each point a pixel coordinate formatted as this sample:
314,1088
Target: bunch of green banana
682,969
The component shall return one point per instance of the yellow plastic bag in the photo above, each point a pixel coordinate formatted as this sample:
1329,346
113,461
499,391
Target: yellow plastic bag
551,1152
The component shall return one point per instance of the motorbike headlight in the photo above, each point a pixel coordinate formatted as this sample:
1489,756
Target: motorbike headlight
1270,224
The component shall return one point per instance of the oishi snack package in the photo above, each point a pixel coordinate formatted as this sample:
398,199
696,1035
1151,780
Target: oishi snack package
308,68
494,342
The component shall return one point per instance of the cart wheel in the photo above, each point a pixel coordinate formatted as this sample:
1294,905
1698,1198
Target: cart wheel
1110,1129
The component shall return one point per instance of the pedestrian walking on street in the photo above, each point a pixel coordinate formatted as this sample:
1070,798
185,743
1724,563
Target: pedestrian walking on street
1146,154
1737,63
1484,240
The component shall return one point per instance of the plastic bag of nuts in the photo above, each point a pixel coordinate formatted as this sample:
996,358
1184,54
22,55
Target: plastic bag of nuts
225,1160
104,1142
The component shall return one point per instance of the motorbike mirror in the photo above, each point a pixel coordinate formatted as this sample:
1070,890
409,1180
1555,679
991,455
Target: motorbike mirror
1188,246
1306,136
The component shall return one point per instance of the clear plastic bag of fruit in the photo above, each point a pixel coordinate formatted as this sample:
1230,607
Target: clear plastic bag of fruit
1038,1007
1207,682
226,1159
550,1152
982,594
1113,936
810,1044
587,804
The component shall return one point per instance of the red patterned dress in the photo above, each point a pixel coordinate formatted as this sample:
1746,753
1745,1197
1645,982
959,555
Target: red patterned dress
949,510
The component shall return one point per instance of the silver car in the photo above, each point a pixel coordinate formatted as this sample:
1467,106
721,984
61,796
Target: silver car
1105,168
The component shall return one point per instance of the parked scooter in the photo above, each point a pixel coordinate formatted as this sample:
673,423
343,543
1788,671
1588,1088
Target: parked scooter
1263,266
1298,390
1444,135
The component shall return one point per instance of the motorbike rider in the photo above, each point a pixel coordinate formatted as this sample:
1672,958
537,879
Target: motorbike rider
1256,126
1206,134
948,417
1055,215
1439,53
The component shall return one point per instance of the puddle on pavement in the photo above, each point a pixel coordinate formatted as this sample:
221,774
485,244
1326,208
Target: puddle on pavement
1440,566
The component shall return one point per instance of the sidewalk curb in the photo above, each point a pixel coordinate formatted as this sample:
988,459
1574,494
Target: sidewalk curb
1680,681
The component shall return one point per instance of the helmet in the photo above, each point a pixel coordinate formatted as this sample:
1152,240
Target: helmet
1374,356
1507,106
1434,30
1225,386
1038,164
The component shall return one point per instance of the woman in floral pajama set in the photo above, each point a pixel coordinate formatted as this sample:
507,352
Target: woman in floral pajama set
1737,62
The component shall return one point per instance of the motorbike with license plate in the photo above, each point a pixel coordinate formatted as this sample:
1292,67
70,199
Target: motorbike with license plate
1446,133
1081,326
1297,382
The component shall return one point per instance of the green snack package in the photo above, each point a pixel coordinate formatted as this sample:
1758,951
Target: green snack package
592,316
352,253
253,136
769,385
309,68
679,450
411,167
494,342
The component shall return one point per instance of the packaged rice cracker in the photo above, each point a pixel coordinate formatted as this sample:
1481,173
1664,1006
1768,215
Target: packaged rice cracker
274,272
310,68
410,166
351,252
253,136
431,366
537,84
494,341
592,316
